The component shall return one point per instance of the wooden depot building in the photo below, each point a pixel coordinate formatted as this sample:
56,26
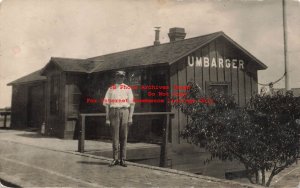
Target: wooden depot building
54,96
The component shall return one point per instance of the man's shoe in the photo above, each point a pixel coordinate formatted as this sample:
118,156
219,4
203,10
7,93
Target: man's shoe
123,163
114,162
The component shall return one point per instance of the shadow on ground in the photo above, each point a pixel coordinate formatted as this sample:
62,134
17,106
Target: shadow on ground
93,163
32,135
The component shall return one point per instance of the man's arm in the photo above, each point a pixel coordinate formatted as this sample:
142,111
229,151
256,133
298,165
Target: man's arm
131,110
107,105
107,122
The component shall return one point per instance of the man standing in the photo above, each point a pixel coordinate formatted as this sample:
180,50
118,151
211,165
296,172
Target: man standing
119,107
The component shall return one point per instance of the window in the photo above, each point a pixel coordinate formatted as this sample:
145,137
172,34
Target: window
54,94
218,87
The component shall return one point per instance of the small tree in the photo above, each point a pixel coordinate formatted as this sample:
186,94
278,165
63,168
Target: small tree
263,136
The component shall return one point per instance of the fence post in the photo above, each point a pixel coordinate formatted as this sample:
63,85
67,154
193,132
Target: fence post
164,148
81,136
5,120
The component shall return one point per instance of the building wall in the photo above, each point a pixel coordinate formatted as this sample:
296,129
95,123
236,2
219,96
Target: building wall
36,105
55,123
242,82
76,89
19,106
242,85
94,86
73,100
27,105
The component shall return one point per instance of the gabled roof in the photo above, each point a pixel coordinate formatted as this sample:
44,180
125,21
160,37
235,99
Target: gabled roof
32,77
167,53
163,54
159,54
67,64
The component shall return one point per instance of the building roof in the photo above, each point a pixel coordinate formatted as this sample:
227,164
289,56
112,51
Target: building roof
167,53
32,77
67,64
163,54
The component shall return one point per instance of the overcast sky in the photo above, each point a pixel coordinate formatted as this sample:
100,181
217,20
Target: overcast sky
32,31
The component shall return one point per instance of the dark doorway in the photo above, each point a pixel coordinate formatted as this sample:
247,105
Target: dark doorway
35,107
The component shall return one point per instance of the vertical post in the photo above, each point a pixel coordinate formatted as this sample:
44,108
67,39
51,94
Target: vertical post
164,148
4,125
81,136
285,46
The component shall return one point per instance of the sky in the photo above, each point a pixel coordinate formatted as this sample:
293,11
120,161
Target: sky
33,31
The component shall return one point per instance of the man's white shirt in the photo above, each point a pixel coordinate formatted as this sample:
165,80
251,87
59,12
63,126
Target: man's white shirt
118,96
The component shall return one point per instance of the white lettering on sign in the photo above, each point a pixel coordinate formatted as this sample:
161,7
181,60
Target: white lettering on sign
221,63
241,64
218,63
213,62
227,62
234,61
206,61
190,63
198,62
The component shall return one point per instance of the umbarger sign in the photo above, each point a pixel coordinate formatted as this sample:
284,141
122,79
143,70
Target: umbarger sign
215,62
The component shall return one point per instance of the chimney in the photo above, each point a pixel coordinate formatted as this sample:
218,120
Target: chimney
156,42
176,33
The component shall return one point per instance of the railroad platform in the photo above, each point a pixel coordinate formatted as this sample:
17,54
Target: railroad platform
28,159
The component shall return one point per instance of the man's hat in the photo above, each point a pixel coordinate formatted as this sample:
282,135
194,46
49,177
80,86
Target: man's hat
122,73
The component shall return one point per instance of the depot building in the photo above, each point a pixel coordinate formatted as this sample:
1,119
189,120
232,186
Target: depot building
56,94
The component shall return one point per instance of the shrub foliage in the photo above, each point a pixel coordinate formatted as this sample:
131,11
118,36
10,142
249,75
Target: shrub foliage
264,135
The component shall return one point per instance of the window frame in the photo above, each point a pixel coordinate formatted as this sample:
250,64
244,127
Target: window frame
224,83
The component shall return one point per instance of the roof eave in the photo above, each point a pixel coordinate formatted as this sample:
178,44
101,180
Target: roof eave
130,67
21,83
48,64
177,59
261,64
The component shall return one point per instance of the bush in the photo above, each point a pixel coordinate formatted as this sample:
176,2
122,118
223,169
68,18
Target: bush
263,136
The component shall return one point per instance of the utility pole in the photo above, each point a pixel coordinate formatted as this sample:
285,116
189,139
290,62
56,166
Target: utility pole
287,86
